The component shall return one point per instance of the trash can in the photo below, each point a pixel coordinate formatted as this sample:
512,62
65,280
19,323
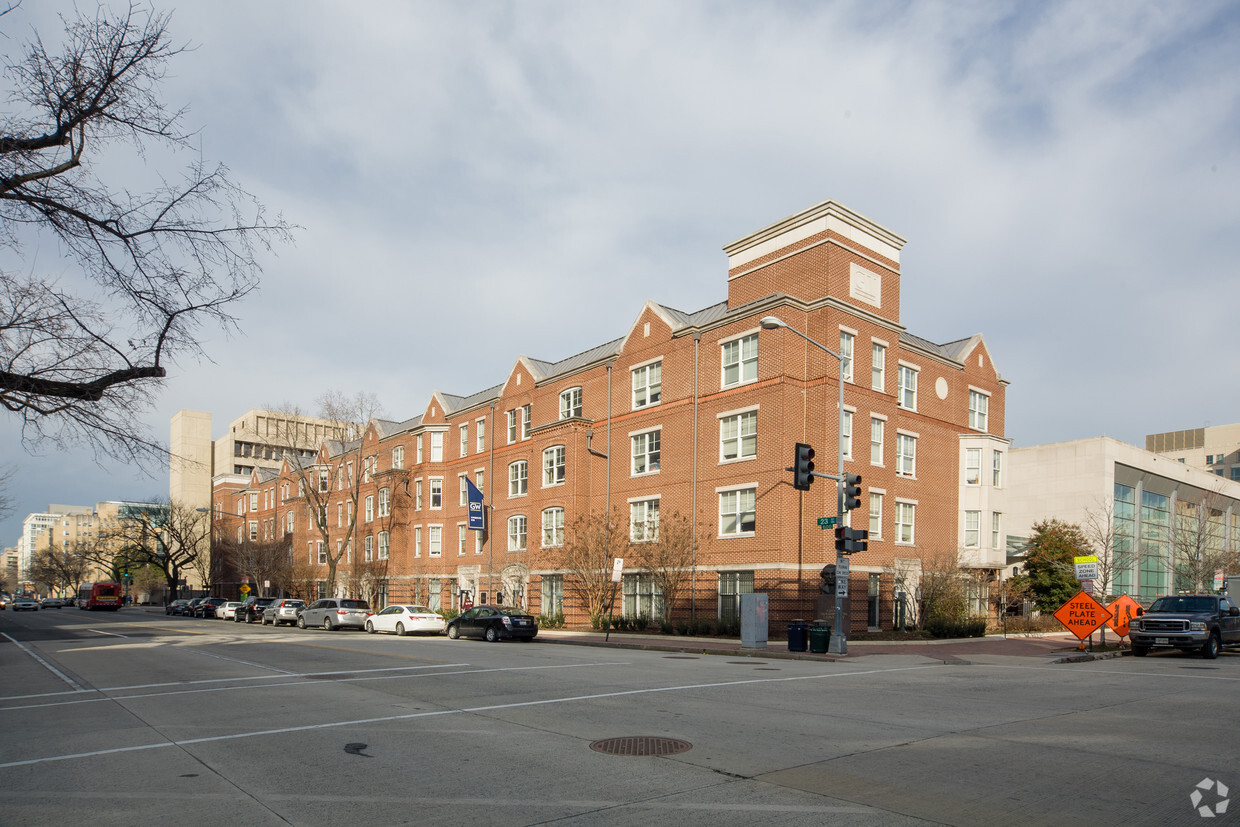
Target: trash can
798,632
819,637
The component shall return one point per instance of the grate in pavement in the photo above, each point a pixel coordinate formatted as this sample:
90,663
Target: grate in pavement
641,745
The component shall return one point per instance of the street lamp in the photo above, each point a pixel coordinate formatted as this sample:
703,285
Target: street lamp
839,638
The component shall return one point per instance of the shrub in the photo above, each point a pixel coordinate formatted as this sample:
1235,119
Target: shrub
448,614
555,621
943,627
729,628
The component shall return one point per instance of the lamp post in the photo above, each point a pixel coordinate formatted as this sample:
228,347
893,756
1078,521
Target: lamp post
839,638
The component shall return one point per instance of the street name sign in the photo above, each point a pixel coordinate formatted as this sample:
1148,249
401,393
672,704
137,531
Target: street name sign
826,522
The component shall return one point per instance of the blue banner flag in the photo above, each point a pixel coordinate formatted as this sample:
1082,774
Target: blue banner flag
477,519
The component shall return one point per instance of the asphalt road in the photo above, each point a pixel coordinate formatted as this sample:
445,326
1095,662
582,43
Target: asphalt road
136,718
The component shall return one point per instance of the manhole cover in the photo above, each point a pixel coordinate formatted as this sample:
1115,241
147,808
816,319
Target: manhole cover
641,745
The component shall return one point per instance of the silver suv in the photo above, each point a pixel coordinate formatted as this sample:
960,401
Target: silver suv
335,613
283,611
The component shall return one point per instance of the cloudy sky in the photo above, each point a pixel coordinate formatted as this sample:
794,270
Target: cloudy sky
1067,177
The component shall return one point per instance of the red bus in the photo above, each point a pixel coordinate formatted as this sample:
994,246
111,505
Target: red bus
100,596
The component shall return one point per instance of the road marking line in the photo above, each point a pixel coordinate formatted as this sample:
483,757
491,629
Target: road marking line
50,668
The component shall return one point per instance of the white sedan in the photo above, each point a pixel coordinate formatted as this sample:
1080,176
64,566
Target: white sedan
228,611
404,619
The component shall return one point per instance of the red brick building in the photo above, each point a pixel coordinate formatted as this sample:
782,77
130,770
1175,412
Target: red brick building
695,413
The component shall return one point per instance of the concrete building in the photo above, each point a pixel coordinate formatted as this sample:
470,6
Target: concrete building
690,413
1162,513
1216,449
83,527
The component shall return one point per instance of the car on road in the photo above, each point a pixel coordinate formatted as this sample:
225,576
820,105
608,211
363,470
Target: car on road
494,623
406,619
24,604
285,610
208,607
228,611
52,603
1202,623
335,613
176,607
251,609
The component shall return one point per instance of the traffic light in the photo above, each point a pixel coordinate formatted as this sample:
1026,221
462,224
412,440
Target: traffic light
850,540
852,491
803,467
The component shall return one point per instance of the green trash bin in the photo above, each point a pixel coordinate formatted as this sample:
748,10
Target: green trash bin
819,637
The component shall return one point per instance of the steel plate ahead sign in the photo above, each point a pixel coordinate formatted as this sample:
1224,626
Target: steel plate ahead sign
1083,615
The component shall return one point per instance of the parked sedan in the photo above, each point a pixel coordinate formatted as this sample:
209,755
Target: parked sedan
208,607
494,623
228,611
252,609
404,619
283,611
23,604
335,613
176,607
52,603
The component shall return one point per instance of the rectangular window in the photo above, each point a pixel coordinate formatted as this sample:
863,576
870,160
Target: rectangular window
398,457
526,418
462,539
435,541
994,531
878,366
462,490
740,361
464,440
480,435
516,532
876,515
437,446
324,480
643,521
417,541
732,584
370,509
642,597
553,466
436,493
906,455
385,545
906,514
253,501
972,529
972,466
552,594
737,516
570,403
979,407
385,502
322,553
553,527
846,421
417,495
647,385
418,446
906,392
877,428
518,479
512,426
646,452
846,355
434,600
368,550
738,436
996,461
253,530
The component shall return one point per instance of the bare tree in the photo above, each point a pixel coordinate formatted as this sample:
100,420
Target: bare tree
591,543
169,538
259,561
145,268
943,593
667,558
61,568
1115,550
1200,542
905,573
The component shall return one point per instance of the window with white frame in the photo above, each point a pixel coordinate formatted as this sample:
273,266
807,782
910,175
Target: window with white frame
516,532
846,431
552,594
436,492
877,433
480,481
526,421
737,511
288,523
253,500
518,478
434,541
417,495
846,355
325,481
253,530
323,515
368,549
418,448
994,530
732,584
996,467
979,407
553,527
322,553
906,455
480,435
878,366
647,384
972,529
740,361
876,515
906,517
553,465
370,508
385,545
642,597
906,390
462,538
570,403
464,440
417,541
738,436
972,466
398,457
644,521
512,426
462,489
646,452
437,446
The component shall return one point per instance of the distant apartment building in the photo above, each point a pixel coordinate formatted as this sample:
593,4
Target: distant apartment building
79,527
690,413
1159,511
1215,449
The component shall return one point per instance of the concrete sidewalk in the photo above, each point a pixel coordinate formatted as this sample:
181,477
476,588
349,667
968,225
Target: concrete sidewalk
1046,648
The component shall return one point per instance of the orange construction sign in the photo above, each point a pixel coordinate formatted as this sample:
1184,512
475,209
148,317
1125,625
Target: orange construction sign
1083,615
1123,609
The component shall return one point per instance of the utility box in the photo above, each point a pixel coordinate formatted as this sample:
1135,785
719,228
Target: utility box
755,619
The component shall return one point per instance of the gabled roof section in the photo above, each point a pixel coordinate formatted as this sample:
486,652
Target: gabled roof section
957,351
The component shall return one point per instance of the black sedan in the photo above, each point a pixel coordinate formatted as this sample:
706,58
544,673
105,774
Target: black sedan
494,623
